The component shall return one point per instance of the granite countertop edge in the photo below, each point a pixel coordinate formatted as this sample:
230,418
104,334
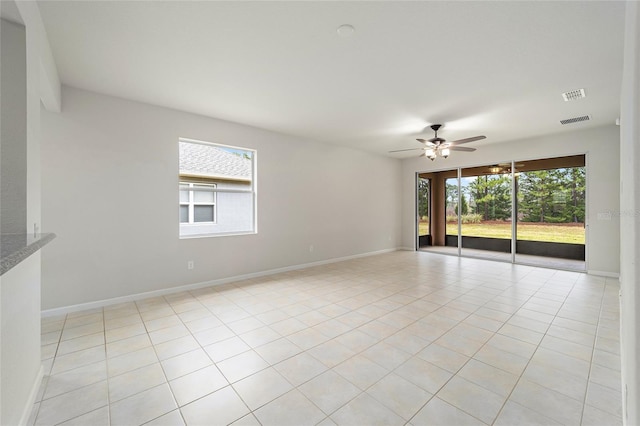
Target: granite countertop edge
19,249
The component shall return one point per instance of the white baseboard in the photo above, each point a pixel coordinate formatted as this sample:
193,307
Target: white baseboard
139,296
604,273
35,388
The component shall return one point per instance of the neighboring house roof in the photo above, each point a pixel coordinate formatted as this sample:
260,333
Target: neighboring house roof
203,160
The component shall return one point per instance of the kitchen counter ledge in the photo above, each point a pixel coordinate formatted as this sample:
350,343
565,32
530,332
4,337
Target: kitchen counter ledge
14,248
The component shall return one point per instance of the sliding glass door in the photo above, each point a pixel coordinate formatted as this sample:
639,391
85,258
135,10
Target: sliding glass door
486,210
551,211
529,212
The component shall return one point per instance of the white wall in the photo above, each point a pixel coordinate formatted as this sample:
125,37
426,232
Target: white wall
20,350
630,218
110,182
602,147
20,366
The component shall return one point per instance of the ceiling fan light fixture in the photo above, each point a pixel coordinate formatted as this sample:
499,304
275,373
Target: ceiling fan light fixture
439,147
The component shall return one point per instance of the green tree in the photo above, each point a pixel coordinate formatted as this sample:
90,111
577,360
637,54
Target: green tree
492,196
451,195
423,197
555,195
464,207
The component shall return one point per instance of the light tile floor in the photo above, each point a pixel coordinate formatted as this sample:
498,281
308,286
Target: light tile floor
402,338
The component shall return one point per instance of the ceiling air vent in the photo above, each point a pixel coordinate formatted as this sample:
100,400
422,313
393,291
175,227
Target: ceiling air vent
572,95
575,120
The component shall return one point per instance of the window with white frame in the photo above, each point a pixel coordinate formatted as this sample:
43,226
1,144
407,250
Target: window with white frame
217,189
197,203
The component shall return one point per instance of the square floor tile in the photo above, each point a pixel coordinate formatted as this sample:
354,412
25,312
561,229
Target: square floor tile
73,404
143,407
176,347
365,410
135,381
516,414
329,391
241,366
292,408
558,380
130,344
172,418
472,399
443,357
262,387
76,378
185,363
400,395
131,361
78,359
360,371
331,353
224,349
278,350
99,417
386,355
439,412
300,368
197,384
221,407
547,402
428,376
497,381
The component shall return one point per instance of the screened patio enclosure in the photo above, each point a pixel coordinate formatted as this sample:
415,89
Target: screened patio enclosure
529,211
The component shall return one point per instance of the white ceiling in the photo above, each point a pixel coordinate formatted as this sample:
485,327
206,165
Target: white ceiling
491,68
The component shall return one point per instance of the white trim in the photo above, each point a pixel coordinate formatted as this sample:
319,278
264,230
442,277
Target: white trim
604,273
195,286
35,388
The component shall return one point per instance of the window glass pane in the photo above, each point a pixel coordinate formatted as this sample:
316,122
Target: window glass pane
184,193
234,212
203,213
203,196
184,214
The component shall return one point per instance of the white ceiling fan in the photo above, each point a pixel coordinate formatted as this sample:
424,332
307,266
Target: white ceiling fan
438,147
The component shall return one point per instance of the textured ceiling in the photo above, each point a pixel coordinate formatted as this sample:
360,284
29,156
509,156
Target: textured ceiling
491,68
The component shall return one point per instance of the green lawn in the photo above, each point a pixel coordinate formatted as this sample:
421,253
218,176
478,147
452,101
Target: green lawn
556,233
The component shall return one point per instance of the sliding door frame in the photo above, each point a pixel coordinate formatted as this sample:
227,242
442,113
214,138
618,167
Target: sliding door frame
514,204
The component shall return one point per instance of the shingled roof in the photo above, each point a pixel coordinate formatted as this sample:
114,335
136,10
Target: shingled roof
203,160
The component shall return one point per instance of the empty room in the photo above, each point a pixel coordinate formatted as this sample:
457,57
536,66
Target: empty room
323,213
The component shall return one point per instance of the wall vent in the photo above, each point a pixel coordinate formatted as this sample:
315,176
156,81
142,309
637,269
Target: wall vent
572,95
575,120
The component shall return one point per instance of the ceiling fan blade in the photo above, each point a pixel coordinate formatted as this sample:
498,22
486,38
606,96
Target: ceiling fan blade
427,143
461,148
410,149
467,140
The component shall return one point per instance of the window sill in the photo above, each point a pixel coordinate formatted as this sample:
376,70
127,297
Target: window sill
227,234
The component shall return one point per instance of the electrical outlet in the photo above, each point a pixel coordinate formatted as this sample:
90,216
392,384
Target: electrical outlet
190,264
311,249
